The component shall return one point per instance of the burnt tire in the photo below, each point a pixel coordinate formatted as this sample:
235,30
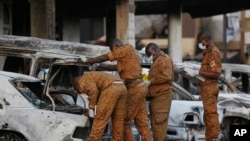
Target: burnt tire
225,126
11,136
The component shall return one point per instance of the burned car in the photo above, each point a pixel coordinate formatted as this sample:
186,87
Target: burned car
30,55
186,114
25,115
49,100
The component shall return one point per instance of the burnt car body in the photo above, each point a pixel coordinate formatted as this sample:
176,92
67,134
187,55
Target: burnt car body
186,114
54,104
30,54
25,117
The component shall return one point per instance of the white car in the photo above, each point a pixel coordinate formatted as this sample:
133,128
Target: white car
55,63
25,117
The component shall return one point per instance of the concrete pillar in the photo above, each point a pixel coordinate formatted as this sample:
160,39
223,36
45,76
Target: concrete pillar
120,22
228,74
42,18
243,40
130,37
51,18
175,33
122,19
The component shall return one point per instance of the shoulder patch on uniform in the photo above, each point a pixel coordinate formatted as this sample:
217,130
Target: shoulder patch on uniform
163,54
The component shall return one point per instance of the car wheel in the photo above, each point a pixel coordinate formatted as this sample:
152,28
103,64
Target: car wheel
225,126
8,136
225,133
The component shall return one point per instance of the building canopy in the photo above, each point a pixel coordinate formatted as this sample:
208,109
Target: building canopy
196,8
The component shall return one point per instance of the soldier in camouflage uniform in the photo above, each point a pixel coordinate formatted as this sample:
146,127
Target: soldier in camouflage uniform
130,71
108,93
210,70
160,90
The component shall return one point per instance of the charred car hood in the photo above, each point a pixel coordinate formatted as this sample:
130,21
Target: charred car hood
235,104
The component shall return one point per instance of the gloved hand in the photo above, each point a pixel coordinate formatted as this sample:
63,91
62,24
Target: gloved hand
83,58
91,113
147,83
194,73
94,66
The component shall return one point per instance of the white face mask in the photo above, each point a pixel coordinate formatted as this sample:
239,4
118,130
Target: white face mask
151,58
201,46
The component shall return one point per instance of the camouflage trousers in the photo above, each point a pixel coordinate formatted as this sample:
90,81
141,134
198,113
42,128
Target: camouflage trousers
111,103
209,94
159,113
136,110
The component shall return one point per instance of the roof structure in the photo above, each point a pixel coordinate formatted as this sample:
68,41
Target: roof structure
196,8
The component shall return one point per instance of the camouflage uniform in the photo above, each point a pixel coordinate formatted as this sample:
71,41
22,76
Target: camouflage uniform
109,94
160,94
209,91
130,71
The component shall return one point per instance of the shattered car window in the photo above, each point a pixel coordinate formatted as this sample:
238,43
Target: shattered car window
28,94
28,90
63,99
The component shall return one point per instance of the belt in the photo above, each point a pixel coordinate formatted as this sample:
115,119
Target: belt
118,82
130,81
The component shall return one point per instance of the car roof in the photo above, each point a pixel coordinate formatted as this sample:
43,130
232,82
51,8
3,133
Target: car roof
242,68
17,77
34,45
